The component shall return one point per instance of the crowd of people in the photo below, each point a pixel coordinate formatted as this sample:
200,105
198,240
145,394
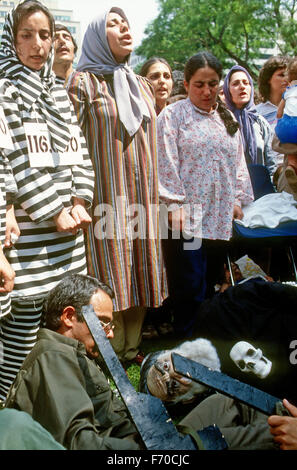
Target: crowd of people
119,192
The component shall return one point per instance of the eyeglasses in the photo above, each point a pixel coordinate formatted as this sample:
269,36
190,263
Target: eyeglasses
107,327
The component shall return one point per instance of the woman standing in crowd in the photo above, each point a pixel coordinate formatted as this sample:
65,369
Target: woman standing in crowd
255,130
272,83
202,173
53,174
116,111
159,73
286,128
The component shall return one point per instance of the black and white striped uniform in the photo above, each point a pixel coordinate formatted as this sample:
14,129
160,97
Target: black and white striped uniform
42,256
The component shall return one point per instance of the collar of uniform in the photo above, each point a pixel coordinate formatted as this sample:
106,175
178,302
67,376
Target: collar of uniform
45,333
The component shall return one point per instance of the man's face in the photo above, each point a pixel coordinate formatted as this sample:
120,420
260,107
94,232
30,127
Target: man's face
164,383
103,307
64,47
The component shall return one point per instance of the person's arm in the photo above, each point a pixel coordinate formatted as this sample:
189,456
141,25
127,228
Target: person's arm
171,188
284,428
237,212
244,192
79,213
12,231
280,109
270,157
7,274
79,95
83,175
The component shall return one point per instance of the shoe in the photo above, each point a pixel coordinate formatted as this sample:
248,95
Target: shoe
165,329
138,359
149,332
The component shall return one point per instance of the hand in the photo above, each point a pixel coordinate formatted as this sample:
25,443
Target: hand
284,428
176,219
7,274
237,213
80,215
65,223
12,232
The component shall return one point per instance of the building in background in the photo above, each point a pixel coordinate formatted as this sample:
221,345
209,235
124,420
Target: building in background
65,17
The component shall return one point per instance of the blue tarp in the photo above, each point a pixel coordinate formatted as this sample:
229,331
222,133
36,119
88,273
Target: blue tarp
284,230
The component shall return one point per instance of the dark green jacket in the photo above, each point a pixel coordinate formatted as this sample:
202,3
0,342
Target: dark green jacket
68,394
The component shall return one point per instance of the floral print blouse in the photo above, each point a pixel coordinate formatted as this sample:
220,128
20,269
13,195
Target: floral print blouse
202,168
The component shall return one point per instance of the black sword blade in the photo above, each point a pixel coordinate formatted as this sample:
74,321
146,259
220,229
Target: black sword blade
226,385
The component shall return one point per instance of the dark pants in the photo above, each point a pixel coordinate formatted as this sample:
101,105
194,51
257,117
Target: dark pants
243,427
191,274
185,270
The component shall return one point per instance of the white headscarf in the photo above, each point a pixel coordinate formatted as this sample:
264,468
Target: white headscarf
97,58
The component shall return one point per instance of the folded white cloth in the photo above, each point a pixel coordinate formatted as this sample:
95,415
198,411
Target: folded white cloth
269,211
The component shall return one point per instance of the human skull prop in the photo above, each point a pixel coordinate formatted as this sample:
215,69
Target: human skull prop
250,359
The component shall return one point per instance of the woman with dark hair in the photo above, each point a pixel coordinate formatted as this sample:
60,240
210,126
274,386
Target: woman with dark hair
159,73
53,174
272,82
255,130
116,110
203,182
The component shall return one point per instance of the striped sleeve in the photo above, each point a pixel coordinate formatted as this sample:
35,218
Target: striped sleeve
10,184
78,96
36,193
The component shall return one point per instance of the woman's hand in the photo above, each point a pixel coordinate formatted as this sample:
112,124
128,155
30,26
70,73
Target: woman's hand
237,213
176,219
7,274
12,232
80,214
65,222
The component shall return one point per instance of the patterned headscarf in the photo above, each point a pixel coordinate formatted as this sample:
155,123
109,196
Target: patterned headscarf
245,116
97,58
35,86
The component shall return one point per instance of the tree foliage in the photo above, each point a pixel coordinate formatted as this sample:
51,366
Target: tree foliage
236,31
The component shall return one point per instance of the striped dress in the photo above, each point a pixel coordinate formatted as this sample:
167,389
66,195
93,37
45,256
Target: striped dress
123,243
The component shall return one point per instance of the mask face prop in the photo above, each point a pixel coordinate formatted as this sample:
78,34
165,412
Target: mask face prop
249,359
157,375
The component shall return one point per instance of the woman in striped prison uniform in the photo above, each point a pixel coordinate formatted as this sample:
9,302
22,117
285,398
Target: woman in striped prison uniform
53,173
115,108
